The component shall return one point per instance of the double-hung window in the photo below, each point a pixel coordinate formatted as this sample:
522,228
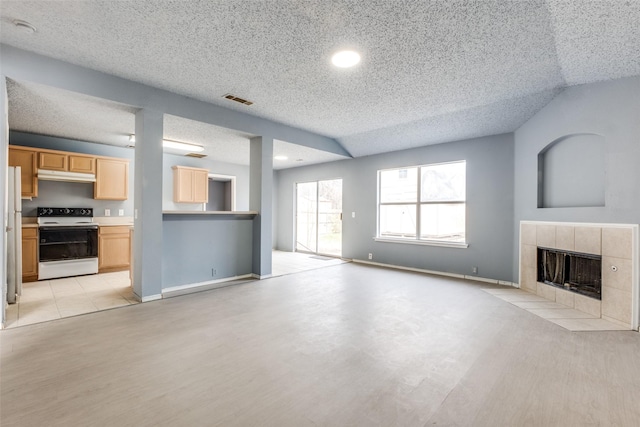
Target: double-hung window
423,203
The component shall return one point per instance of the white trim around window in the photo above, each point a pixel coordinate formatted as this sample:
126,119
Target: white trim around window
423,205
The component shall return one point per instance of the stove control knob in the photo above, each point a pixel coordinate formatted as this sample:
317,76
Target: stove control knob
67,211
49,211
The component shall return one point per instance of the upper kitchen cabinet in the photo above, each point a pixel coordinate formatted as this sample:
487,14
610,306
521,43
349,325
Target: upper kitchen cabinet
109,174
27,160
190,185
66,162
82,164
112,179
53,161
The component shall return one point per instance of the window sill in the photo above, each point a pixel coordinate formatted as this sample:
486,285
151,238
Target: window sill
423,242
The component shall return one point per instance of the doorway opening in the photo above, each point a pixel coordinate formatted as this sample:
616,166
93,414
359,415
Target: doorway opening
319,217
222,193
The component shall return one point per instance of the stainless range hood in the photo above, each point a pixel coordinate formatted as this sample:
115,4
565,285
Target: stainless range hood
47,175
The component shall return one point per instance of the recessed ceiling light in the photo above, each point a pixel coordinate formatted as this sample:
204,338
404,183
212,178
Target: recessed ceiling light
280,158
345,58
24,26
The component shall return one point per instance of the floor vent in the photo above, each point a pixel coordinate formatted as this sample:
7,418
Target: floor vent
237,99
196,155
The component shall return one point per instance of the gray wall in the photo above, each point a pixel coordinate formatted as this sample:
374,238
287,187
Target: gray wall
26,66
572,172
240,172
489,207
73,194
223,244
610,109
219,196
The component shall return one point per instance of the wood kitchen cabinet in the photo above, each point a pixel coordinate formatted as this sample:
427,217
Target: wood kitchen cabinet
82,164
66,162
114,248
53,161
112,179
190,185
29,254
112,174
27,160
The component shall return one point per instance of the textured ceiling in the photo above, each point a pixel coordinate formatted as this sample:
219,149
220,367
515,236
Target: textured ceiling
49,111
431,71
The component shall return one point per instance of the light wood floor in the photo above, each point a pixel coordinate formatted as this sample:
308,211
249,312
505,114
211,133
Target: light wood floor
348,345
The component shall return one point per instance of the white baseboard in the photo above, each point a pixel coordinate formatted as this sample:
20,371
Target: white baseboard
151,298
209,284
438,273
264,276
417,270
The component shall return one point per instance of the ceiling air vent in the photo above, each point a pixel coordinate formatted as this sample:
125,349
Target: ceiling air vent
240,100
196,155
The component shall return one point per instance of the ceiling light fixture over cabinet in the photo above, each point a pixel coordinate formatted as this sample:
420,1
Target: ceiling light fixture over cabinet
176,145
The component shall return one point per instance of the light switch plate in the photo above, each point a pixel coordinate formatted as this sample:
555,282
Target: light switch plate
120,212
107,212
353,214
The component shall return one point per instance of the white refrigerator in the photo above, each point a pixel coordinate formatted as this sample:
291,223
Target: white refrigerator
14,235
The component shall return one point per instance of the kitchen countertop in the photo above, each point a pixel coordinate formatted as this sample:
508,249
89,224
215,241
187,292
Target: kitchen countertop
105,221
220,213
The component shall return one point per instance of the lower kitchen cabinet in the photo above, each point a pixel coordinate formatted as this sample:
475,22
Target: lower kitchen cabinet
114,248
29,254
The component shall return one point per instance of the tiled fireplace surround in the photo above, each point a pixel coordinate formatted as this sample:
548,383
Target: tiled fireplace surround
617,244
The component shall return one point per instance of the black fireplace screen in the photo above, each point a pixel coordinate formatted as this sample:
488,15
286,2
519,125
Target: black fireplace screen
576,272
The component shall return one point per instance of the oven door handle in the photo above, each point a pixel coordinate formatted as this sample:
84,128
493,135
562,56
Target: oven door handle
68,228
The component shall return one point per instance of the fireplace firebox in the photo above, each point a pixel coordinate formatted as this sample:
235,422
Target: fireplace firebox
572,271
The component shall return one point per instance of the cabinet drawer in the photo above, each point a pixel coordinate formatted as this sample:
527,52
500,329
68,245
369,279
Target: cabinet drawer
30,232
114,229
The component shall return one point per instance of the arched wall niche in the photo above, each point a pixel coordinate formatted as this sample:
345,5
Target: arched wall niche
572,172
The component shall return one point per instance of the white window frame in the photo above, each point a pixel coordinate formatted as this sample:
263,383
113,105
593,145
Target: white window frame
418,203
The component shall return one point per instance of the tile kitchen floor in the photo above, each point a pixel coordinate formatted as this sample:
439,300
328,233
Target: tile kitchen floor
54,299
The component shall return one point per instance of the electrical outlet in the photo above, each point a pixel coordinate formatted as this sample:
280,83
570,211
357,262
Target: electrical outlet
214,272
475,270
370,256
107,212
120,212
353,214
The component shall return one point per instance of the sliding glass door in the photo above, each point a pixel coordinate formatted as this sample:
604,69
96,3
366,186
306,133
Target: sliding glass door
319,217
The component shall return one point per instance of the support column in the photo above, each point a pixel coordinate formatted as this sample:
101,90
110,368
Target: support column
147,235
260,199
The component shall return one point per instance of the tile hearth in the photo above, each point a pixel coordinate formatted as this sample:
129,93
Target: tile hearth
564,316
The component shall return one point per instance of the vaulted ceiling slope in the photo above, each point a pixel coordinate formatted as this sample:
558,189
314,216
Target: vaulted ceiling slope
431,71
